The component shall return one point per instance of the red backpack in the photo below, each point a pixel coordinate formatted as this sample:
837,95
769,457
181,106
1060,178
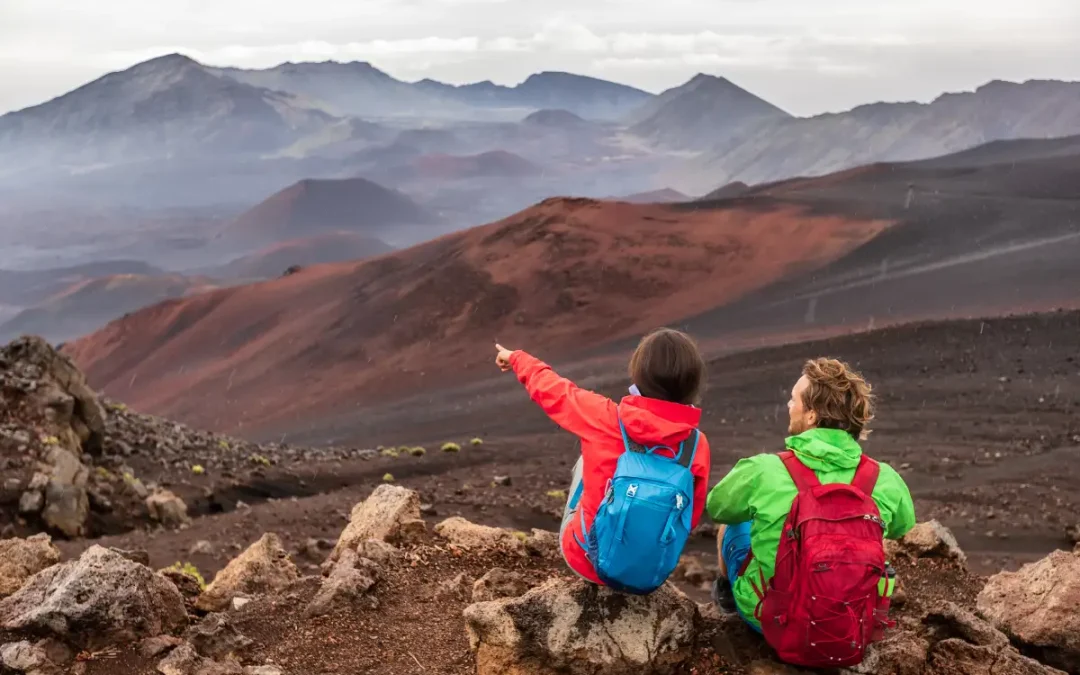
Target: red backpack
819,608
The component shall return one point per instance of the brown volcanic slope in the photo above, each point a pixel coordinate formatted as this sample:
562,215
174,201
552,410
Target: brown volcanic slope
89,304
331,247
312,206
988,231
566,274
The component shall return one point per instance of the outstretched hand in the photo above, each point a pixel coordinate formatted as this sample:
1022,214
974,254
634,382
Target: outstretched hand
502,358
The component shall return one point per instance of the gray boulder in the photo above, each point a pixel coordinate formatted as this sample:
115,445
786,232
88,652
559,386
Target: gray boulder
99,599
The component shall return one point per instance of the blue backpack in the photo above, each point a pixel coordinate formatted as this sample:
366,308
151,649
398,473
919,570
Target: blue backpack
643,523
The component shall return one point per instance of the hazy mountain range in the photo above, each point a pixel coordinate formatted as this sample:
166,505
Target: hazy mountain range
178,132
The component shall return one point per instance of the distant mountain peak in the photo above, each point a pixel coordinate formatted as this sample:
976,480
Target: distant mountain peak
173,58
706,108
705,77
167,63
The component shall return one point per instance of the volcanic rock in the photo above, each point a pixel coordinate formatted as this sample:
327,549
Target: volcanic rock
264,567
21,559
566,626
499,583
380,516
1039,607
99,599
461,532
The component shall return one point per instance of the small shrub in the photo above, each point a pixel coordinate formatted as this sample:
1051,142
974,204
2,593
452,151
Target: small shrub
50,440
119,406
259,459
104,474
404,449
557,494
198,469
389,452
417,451
451,447
388,478
476,441
223,444
190,570
518,534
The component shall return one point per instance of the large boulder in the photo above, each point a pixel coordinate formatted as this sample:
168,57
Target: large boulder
23,657
927,540
347,585
99,599
964,644
384,515
67,507
57,418
461,532
575,627
186,660
21,559
215,637
900,653
167,509
499,583
1039,607
543,544
53,391
264,567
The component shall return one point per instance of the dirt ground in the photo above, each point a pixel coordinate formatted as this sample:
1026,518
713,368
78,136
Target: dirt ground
981,418
418,630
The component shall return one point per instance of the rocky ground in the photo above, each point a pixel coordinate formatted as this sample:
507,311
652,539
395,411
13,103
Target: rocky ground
397,596
980,417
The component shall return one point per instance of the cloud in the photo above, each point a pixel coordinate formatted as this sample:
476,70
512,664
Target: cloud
821,55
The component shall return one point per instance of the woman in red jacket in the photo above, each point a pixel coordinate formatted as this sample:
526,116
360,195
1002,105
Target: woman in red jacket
667,373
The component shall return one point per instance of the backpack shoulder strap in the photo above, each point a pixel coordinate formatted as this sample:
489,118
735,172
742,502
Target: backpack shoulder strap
683,457
866,475
804,477
688,448
630,444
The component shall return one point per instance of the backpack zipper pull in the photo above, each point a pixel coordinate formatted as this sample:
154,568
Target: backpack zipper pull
678,502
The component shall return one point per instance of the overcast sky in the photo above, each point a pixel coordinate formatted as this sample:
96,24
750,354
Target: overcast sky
807,56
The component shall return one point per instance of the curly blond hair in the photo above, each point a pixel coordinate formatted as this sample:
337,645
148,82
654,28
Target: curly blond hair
840,397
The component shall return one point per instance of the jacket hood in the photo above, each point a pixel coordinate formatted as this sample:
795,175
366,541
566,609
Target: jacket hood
650,421
826,449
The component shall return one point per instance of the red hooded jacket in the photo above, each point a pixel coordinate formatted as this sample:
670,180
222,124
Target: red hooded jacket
595,420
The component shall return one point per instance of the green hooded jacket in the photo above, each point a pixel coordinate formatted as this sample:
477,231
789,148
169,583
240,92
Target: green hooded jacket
759,489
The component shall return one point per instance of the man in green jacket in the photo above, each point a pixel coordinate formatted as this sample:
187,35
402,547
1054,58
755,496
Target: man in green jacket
830,409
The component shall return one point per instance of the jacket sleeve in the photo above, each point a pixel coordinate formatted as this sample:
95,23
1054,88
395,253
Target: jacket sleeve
902,509
581,412
701,467
729,501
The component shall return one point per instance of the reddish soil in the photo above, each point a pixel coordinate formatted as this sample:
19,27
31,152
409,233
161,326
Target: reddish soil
415,631
312,206
568,274
981,418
